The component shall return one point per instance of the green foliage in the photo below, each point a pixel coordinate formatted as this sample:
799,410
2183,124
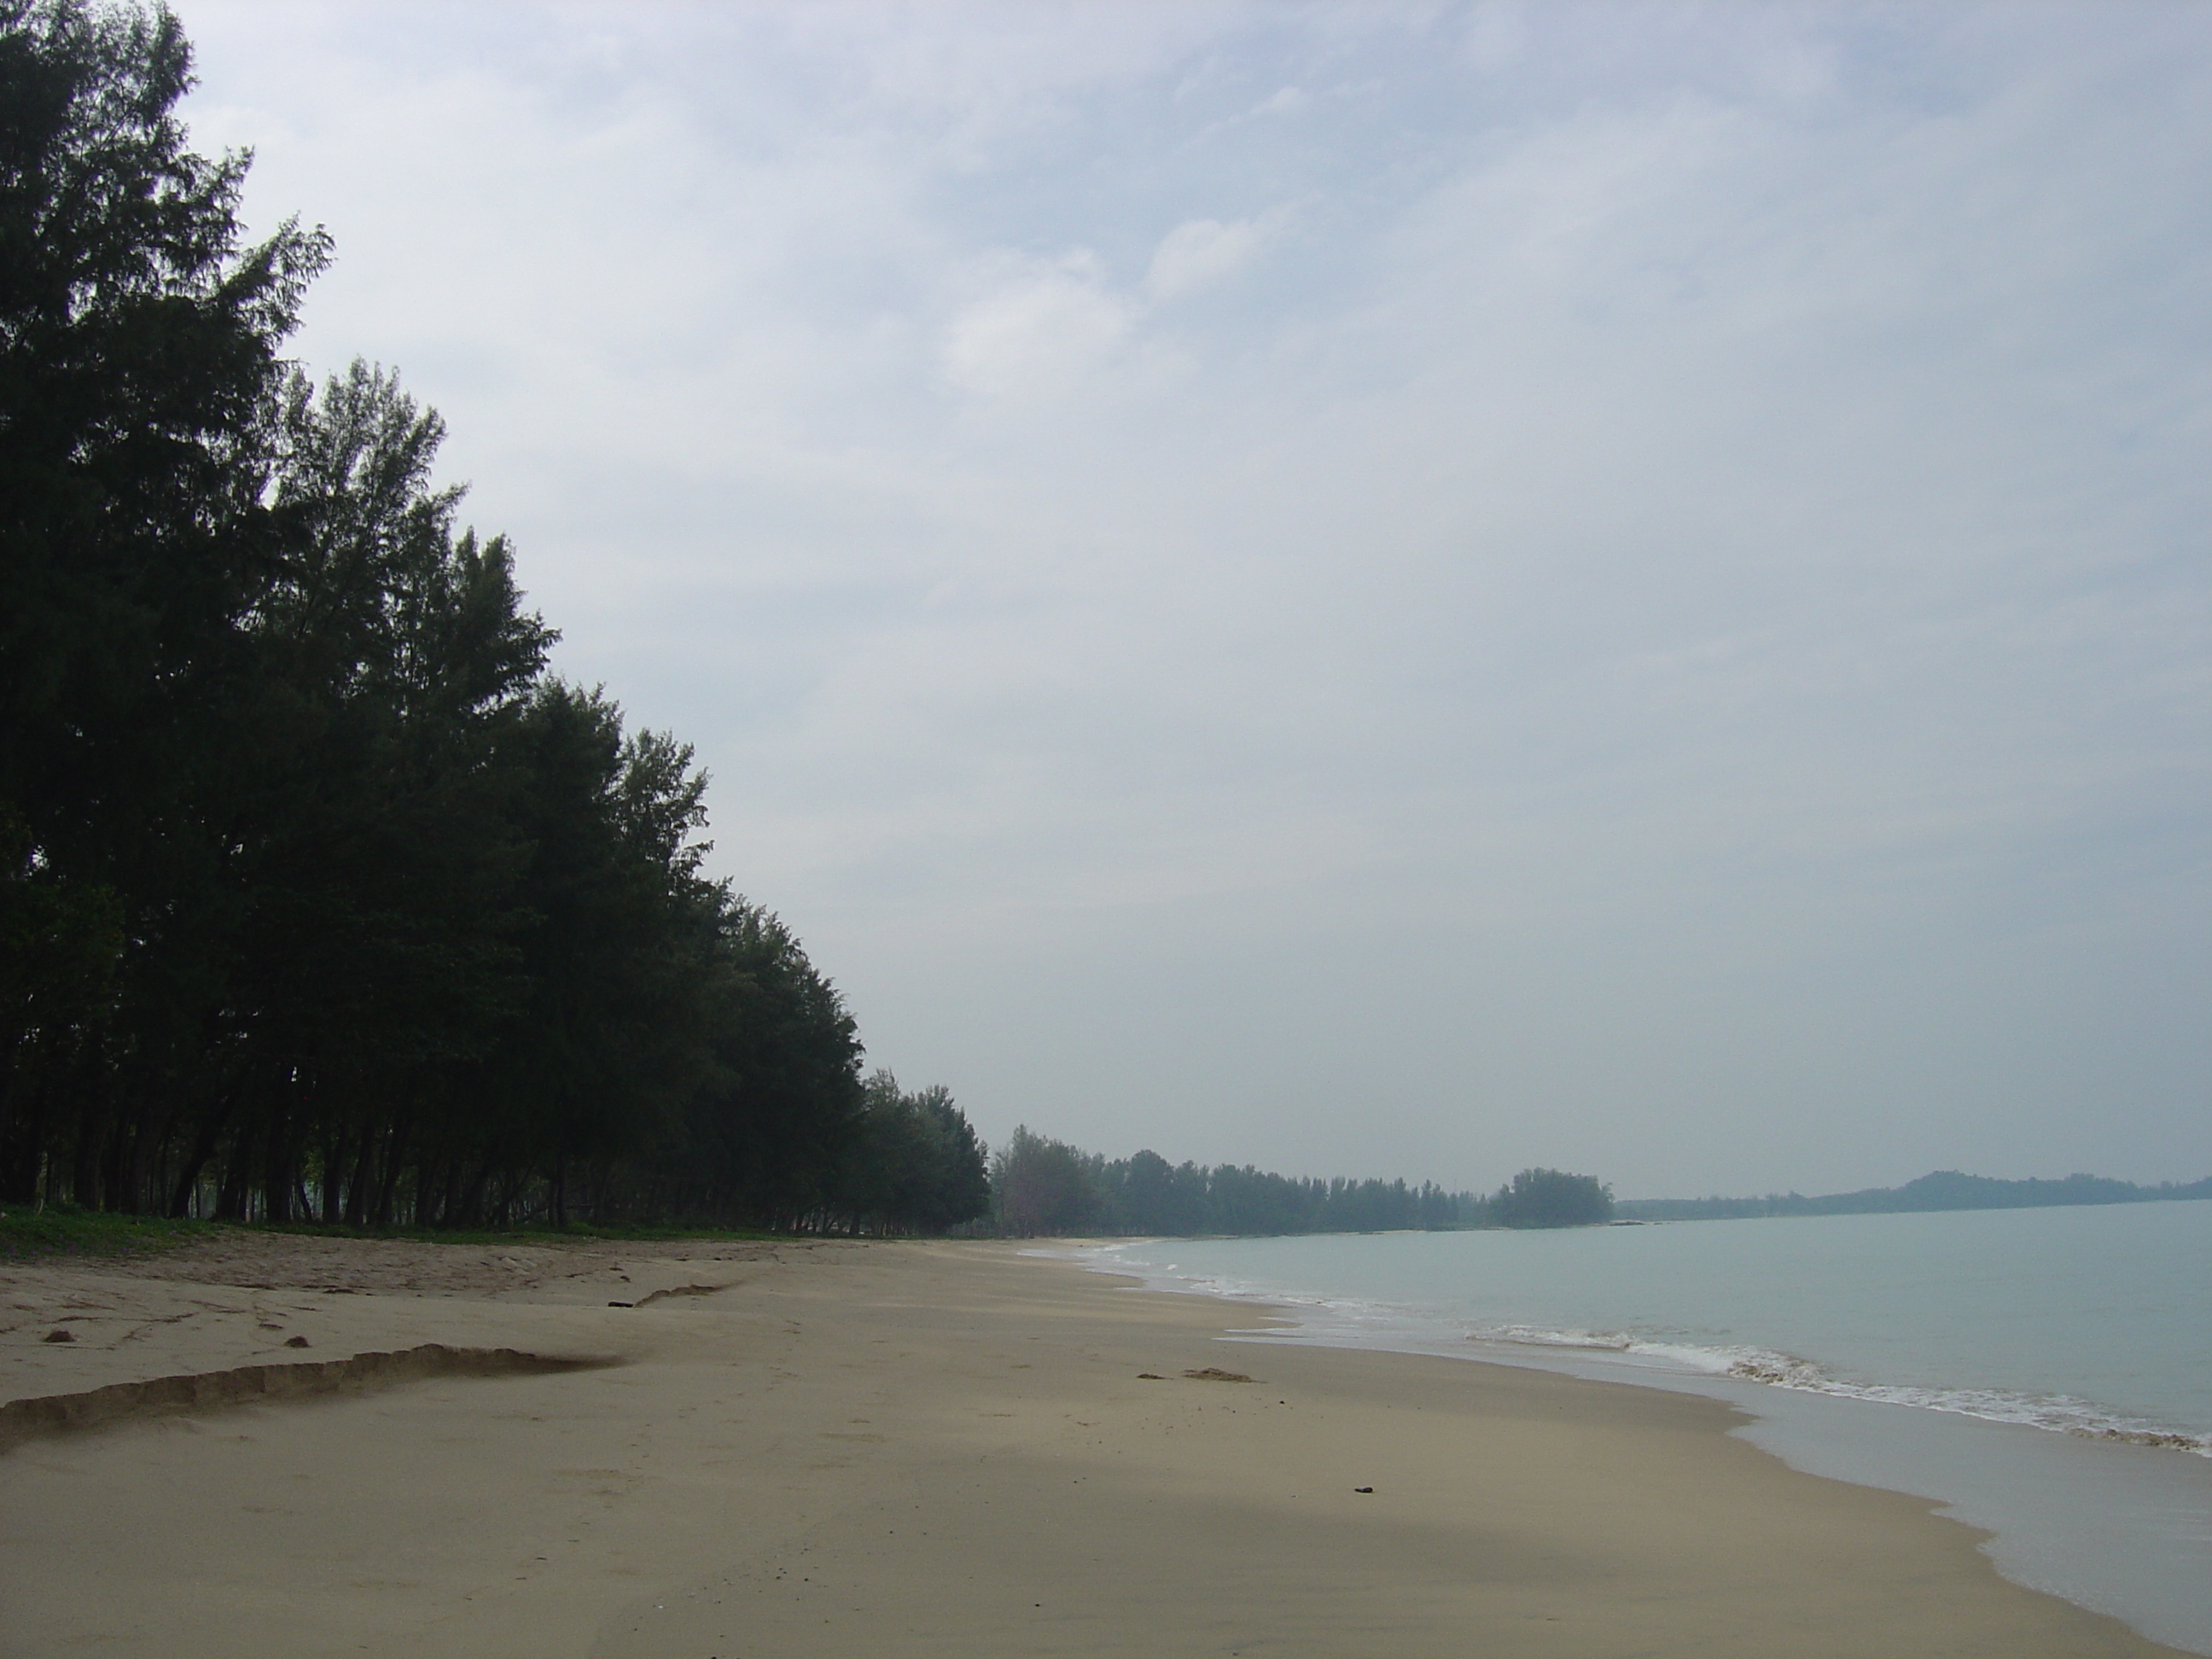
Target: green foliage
67,1230
319,898
1041,1186
139,355
1145,1194
1551,1198
915,1165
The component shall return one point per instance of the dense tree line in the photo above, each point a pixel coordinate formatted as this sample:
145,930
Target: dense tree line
1551,1198
320,897
1041,1186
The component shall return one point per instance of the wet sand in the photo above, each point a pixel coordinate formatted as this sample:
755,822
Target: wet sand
923,1450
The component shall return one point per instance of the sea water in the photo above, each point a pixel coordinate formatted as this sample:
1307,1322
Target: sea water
2045,1375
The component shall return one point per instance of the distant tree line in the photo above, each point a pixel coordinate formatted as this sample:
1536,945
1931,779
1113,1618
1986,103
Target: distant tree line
1550,1198
1943,1189
1043,1187
320,897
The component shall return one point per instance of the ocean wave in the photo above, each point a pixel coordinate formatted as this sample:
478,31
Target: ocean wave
2059,1413
1324,1319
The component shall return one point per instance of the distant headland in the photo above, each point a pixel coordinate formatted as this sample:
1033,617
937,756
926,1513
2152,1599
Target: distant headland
1941,1189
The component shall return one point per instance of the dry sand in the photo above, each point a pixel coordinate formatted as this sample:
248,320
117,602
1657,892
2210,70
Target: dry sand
893,1449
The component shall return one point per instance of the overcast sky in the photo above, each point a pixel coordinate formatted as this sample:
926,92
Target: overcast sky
1366,589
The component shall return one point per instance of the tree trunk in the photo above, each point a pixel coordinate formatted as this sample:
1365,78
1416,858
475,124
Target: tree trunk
387,1189
235,1194
84,1170
278,1168
22,1146
188,1177
364,1179
334,1162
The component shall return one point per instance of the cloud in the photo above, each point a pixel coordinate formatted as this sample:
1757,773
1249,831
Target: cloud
1036,330
1664,626
1040,329
1201,253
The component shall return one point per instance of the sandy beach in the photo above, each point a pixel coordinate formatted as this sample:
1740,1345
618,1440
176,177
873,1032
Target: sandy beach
299,1446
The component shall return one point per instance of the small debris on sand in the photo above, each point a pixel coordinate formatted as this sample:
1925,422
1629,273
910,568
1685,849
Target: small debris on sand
1215,1374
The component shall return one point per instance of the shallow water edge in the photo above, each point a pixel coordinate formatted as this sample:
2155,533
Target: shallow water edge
2118,1529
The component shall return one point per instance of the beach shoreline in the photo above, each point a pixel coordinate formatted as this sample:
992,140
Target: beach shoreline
797,1448
2114,1522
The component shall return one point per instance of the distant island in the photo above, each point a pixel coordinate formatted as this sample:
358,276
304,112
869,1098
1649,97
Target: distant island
1941,1189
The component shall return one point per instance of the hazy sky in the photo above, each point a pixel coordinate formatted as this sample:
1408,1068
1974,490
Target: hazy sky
1367,589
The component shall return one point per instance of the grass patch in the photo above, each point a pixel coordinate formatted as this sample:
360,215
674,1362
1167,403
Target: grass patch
69,1231
526,1234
